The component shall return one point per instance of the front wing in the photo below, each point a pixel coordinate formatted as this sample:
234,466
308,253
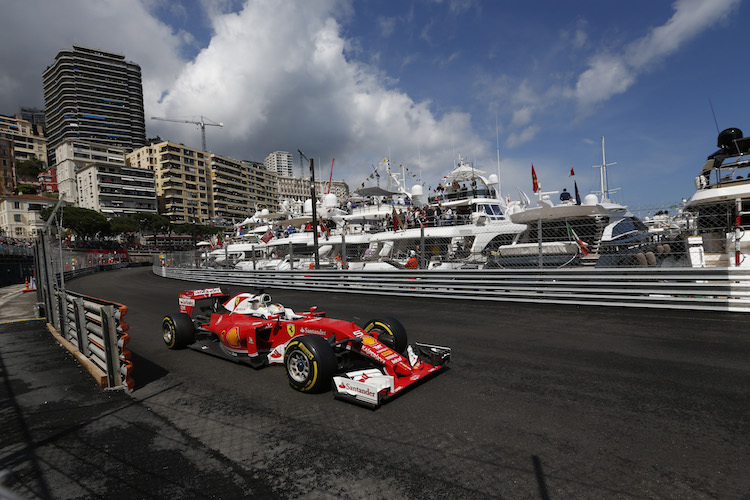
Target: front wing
374,386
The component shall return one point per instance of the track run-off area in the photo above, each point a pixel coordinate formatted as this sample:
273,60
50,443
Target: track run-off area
539,401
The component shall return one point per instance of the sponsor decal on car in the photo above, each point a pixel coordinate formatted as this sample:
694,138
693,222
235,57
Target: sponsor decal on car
358,389
186,302
290,328
312,331
208,291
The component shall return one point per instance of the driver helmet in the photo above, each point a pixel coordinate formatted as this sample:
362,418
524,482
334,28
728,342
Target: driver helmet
275,309
412,253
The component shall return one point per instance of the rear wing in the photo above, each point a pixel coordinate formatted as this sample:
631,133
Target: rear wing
188,297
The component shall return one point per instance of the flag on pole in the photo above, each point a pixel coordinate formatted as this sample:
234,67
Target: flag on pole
267,237
572,172
578,195
583,247
534,181
219,240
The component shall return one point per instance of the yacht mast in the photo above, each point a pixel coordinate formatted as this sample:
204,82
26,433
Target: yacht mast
604,185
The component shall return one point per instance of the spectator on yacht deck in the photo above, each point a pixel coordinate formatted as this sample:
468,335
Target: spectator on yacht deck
412,262
565,195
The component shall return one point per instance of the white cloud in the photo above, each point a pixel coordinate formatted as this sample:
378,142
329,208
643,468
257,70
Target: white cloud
387,26
277,76
612,74
518,138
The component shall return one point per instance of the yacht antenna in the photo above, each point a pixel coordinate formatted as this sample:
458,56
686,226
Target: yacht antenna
714,115
497,142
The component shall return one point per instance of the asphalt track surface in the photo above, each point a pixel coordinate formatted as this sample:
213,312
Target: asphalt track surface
541,401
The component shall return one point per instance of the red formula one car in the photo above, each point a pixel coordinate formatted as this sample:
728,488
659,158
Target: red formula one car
365,365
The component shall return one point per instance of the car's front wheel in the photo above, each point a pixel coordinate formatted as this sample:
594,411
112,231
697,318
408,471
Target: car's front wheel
388,331
177,330
310,363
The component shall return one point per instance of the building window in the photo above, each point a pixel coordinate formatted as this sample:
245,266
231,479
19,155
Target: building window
17,217
16,204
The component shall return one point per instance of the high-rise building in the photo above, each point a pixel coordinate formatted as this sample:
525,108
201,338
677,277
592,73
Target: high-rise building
280,162
94,96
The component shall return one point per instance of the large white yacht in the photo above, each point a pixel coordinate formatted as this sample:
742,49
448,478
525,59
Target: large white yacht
721,205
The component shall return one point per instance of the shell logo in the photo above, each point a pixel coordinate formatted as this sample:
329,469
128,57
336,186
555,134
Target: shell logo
233,337
368,340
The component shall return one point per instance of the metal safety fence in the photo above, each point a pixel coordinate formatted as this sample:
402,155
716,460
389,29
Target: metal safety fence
710,289
496,236
94,330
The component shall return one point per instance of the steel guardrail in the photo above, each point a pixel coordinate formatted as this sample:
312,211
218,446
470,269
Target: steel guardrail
708,289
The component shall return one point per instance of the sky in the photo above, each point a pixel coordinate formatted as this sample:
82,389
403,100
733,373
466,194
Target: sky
352,82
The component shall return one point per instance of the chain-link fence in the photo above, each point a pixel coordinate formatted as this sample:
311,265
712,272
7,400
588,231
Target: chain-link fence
660,235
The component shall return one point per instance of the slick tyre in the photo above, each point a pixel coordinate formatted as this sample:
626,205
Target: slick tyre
389,331
178,331
310,363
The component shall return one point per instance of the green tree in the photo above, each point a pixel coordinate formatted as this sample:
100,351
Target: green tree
195,230
81,221
26,189
29,168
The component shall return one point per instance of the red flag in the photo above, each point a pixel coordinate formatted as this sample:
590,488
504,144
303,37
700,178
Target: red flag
572,172
534,181
267,237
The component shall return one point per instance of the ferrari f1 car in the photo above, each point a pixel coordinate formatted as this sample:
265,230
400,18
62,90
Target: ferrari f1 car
365,365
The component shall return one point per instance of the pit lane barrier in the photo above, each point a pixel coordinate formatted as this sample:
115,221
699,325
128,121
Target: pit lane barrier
705,289
92,329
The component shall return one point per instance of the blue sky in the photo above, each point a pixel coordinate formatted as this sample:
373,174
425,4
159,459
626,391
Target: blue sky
422,81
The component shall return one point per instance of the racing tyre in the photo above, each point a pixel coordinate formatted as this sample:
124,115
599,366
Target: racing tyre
178,330
310,363
388,331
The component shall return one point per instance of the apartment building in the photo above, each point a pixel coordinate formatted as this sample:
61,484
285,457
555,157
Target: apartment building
181,180
20,215
74,155
298,188
95,96
197,186
116,190
238,188
7,164
28,138
280,162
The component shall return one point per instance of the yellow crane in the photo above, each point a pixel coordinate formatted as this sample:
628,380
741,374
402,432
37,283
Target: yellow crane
202,123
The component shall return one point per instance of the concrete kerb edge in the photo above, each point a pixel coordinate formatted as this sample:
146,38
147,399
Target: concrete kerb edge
97,373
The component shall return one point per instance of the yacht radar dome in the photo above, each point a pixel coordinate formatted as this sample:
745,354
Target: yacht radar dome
727,137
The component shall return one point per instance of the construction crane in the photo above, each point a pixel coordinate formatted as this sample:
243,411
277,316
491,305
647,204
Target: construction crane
202,124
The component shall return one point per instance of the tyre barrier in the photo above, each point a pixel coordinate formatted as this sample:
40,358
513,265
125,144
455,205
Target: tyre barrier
96,328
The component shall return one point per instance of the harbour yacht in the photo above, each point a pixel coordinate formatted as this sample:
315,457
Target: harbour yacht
721,205
593,231
451,229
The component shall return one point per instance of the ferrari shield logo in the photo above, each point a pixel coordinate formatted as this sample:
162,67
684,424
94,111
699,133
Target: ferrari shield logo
290,330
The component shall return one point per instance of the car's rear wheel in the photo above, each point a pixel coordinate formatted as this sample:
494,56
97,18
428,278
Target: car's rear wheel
389,331
310,363
178,330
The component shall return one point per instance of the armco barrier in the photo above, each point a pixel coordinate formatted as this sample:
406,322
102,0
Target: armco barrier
710,289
